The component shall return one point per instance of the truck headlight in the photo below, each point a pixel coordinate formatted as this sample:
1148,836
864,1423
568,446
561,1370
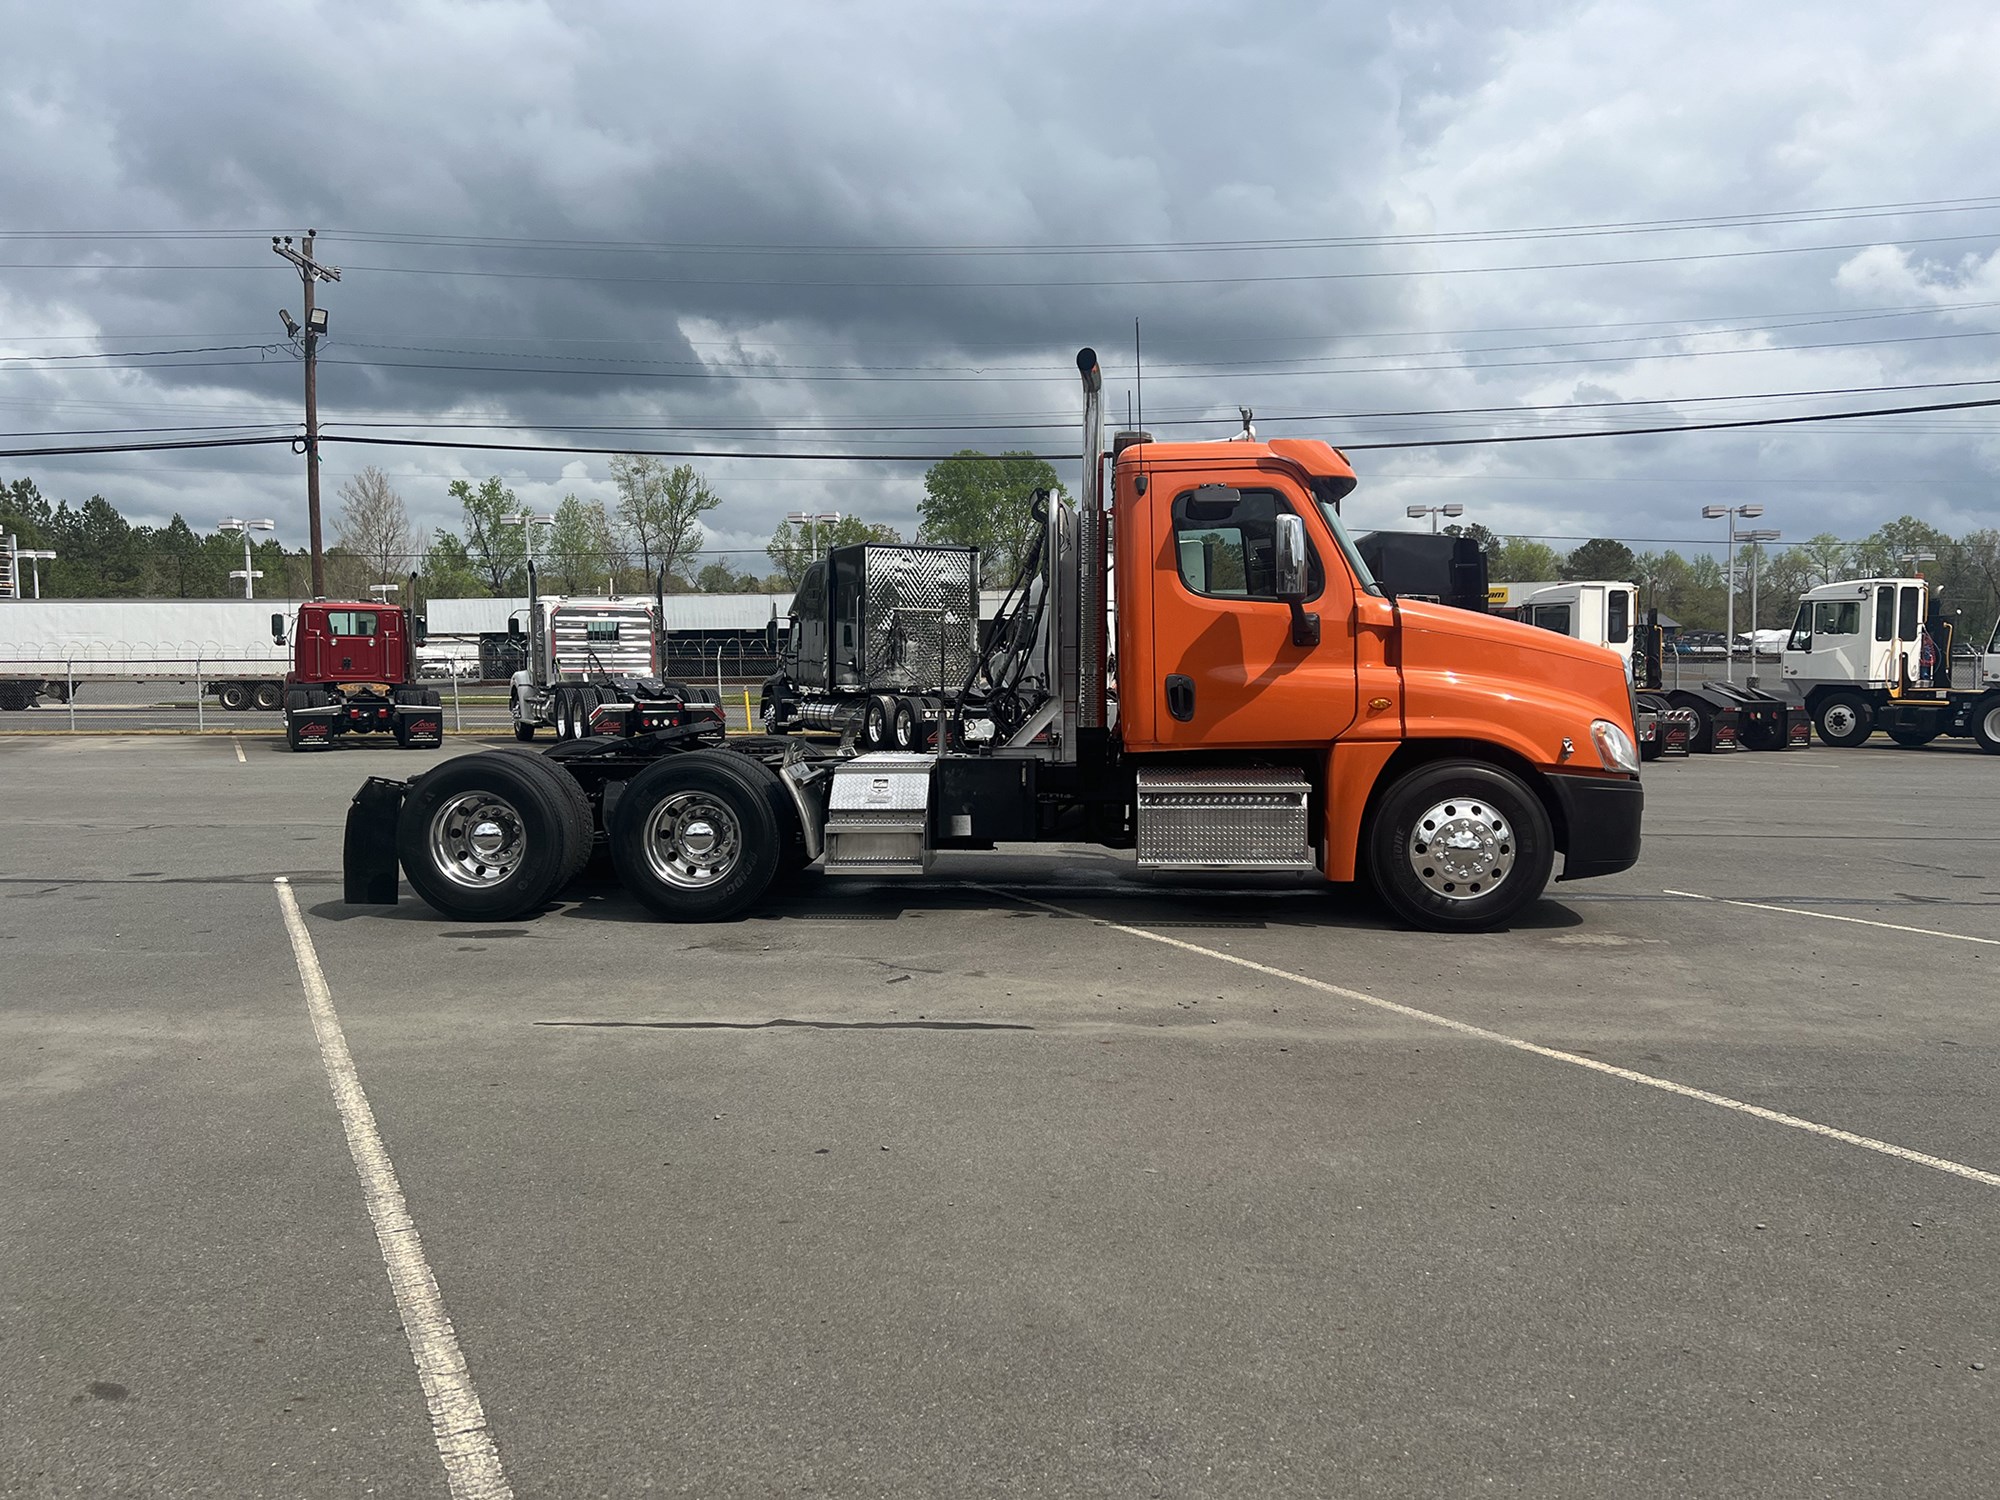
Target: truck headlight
1614,747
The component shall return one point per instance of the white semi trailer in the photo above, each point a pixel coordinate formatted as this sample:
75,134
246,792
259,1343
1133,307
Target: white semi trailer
53,648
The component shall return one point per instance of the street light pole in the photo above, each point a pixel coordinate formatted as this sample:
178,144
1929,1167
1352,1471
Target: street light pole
528,520
246,527
35,561
1716,513
811,520
1755,539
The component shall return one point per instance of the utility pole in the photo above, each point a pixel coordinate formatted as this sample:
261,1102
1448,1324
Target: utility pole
310,271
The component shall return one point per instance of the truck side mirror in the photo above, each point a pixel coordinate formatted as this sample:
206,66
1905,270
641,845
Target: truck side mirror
420,630
1289,563
513,627
277,630
771,636
1291,557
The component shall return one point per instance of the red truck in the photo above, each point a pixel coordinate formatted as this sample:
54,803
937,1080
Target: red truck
354,669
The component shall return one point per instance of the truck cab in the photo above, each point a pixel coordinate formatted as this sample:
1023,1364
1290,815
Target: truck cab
354,669
1600,612
1860,657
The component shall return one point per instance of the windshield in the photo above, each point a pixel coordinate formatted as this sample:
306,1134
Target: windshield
1331,510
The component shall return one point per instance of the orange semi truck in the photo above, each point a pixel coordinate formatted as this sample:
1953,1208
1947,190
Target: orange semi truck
1265,705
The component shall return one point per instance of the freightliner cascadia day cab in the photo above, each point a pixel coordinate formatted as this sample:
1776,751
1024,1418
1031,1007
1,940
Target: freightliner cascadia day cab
1274,708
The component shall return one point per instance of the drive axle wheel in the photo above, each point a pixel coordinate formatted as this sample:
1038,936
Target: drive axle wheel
695,836
1843,720
1986,723
268,697
487,837
234,696
1459,847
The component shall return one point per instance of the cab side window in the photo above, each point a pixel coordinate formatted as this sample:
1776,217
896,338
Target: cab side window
1235,556
1550,617
1837,617
1618,625
350,622
1885,613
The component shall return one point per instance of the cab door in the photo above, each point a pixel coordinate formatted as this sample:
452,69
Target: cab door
1226,670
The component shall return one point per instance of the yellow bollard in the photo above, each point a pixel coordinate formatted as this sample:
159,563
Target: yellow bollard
749,724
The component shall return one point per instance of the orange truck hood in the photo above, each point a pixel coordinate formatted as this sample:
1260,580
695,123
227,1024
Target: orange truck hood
1529,687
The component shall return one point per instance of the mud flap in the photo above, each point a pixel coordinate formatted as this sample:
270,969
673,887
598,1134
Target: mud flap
368,857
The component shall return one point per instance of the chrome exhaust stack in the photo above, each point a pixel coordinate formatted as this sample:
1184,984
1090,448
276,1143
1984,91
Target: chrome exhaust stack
1087,668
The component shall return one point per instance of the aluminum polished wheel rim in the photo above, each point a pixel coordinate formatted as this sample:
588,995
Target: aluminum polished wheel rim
1841,719
693,840
1461,849
477,840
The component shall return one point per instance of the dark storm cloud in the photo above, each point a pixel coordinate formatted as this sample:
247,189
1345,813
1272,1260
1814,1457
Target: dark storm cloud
1025,125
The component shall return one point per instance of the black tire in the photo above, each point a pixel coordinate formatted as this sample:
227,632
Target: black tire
905,727
1761,734
1701,738
877,720
16,696
576,808
792,856
1843,720
486,838
234,696
431,698
1985,720
268,697
523,732
725,810
1490,805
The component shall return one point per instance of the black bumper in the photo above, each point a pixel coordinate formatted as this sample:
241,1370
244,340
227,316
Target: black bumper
1601,814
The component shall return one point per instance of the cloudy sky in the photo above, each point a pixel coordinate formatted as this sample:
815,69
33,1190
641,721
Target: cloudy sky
884,229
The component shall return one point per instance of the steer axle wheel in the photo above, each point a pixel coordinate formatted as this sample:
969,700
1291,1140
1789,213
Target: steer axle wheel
1986,723
1843,720
1459,847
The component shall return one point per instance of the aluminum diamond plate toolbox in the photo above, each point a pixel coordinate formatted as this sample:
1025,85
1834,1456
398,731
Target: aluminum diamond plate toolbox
878,815
1231,817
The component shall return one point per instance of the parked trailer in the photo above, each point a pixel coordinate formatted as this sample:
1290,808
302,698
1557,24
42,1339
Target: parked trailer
54,648
1856,656
1275,710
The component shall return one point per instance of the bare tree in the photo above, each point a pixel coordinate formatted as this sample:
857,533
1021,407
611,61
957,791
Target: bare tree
374,526
662,508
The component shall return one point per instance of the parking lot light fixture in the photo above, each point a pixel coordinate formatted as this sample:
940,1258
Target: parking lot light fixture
1418,512
812,520
247,573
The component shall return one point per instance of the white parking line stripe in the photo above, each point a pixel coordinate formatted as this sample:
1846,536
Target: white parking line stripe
1665,1085
458,1422
1827,916
240,756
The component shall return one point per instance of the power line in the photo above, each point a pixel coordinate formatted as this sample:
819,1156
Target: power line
1754,219
906,285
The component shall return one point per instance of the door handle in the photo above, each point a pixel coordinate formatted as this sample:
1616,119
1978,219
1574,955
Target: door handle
1180,697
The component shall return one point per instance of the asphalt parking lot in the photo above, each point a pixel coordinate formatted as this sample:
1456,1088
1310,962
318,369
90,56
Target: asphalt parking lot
1038,1177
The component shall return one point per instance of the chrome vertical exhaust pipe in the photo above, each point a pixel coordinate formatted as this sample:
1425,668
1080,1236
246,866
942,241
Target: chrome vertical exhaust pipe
1088,597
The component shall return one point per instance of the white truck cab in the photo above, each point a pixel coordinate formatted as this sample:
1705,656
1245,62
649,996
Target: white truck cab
581,654
1856,657
1599,611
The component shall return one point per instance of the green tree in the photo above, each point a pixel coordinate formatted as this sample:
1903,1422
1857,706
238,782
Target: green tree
1824,557
583,557
1601,558
1489,543
661,509
498,551
1886,552
793,548
971,500
1520,560
449,570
